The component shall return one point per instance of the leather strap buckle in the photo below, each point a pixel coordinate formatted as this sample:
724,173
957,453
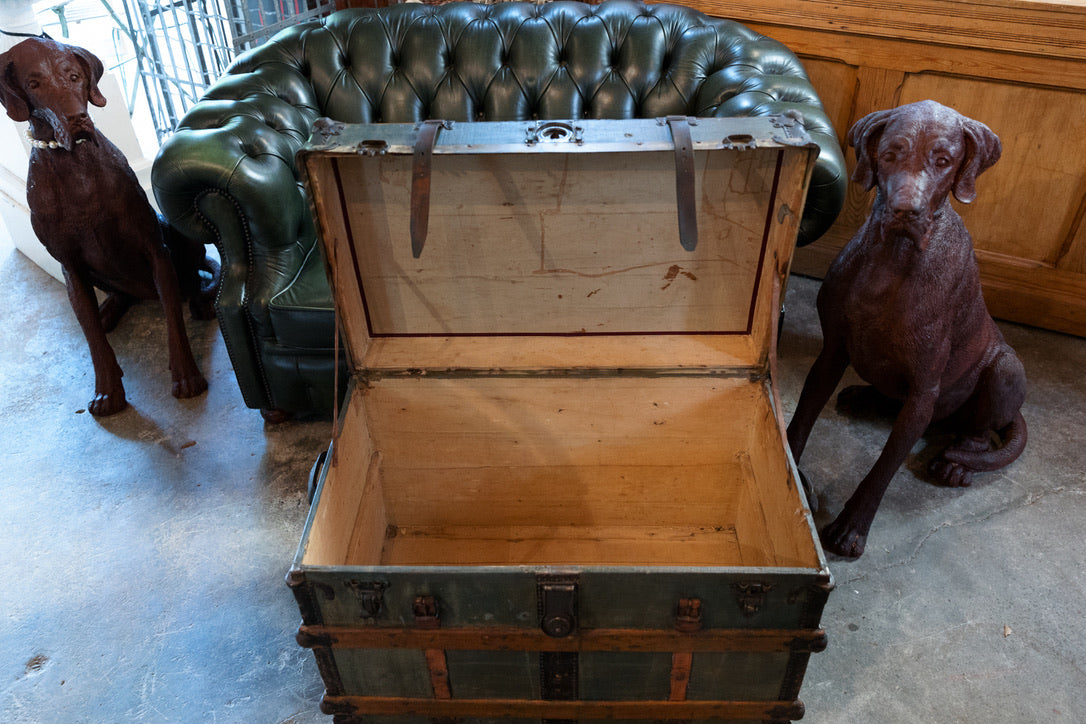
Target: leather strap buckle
420,182
684,180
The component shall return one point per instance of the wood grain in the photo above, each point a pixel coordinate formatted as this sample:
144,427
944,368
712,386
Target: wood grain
1017,65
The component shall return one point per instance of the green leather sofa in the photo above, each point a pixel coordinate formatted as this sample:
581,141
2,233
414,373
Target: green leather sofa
228,177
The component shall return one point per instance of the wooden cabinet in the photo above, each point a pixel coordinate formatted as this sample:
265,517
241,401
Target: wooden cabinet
1016,65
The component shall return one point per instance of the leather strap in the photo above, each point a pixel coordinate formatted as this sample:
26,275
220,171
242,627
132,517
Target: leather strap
684,181
420,183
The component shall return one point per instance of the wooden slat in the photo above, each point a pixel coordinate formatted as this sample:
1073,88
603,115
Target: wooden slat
562,545
478,422
585,497
439,673
718,355
509,638
1034,27
536,709
681,664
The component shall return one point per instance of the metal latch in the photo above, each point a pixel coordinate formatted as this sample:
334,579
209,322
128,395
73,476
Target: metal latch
553,132
751,596
688,619
426,613
557,606
326,128
371,596
793,127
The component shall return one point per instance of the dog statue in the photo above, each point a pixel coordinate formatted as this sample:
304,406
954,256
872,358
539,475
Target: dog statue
92,216
902,303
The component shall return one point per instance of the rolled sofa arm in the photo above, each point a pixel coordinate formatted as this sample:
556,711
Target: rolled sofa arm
227,177
762,77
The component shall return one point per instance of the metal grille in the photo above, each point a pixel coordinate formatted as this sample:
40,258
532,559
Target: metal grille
183,46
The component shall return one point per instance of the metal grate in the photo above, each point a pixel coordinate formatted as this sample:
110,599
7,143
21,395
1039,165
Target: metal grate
183,46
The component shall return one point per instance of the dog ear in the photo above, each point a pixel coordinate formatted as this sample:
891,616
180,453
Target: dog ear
10,94
864,137
93,69
982,149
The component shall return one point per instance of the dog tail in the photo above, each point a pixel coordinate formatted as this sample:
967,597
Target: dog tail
1014,438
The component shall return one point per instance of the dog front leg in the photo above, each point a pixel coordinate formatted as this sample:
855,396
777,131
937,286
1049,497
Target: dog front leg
187,379
108,388
847,534
822,380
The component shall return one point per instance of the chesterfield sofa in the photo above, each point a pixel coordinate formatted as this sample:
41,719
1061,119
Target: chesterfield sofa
227,176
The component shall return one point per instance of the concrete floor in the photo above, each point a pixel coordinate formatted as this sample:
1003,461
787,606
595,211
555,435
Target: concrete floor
144,554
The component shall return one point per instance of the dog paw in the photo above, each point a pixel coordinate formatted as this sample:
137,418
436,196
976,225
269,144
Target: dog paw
105,404
843,538
189,386
952,475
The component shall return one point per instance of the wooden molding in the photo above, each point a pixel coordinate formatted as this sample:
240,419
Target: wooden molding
1056,29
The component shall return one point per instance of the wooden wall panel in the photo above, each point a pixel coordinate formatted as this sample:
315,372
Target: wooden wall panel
1039,181
1017,65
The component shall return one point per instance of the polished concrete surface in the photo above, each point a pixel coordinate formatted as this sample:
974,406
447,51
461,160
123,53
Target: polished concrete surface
144,554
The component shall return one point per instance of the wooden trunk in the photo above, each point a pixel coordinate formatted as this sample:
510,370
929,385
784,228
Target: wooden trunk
559,488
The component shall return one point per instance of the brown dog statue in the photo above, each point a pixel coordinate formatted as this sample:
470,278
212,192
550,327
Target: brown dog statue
902,304
92,215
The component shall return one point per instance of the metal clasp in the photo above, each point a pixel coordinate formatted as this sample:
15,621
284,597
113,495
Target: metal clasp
373,147
553,132
751,596
688,619
371,596
557,606
426,612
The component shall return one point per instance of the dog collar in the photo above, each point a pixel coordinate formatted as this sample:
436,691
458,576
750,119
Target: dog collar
45,144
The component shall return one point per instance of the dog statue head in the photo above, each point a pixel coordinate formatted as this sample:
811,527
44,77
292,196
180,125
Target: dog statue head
49,84
918,154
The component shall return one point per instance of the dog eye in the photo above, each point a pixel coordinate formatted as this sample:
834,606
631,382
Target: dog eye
74,77
32,84
888,157
942,162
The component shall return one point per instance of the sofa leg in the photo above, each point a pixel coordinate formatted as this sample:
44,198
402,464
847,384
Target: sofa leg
275,416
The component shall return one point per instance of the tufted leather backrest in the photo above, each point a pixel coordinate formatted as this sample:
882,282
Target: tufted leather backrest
519,61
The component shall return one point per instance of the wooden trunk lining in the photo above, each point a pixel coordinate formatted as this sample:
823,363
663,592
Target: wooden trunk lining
498,267
614,471
553,235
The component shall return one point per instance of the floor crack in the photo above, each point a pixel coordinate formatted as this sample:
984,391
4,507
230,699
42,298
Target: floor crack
1030,498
